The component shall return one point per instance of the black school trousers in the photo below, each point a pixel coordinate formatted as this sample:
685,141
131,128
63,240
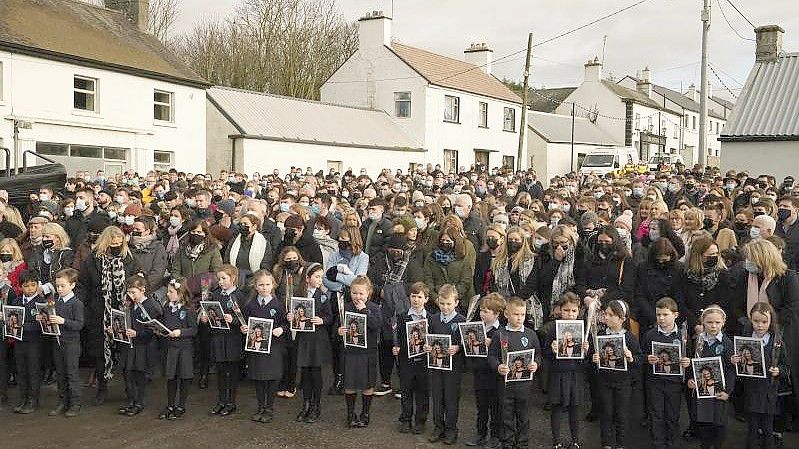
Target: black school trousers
664,402
445,388
29,370
489,410
515,416
66,356
415,388
614,398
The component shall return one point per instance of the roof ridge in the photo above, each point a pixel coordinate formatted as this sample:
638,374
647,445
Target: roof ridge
104,8
441,56
305,100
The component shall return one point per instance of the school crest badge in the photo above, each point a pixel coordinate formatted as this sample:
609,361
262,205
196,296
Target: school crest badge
676,342
719,349
272,313
453,326
229,303
182,314
323,299
525,341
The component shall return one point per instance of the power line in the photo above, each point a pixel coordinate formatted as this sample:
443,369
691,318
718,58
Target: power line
729,76
722,82
742,14
723,14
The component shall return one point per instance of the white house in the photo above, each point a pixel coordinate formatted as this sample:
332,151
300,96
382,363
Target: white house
252,131
457,110
89,88
762,135
556,144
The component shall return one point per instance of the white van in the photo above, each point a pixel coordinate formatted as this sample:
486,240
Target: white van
664,162
604,160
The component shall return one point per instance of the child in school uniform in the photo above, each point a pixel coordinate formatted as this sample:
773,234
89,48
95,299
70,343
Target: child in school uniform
445,386
266,369
614,387
137,360
486,384
711,413
566,377
664,392
27,352
227,344
761,393
66,350
313,348
180,318
7,297
413,372
515,396
360,364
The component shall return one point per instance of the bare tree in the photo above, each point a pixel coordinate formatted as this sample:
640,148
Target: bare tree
163,15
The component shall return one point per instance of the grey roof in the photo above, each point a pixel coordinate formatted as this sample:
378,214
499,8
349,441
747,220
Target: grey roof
768,108
556,128
83,34
547,100
683,101
724,103
637,97
272,117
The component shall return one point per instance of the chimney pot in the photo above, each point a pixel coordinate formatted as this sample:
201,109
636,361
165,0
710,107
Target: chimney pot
481,55
769,43
374,31
593,70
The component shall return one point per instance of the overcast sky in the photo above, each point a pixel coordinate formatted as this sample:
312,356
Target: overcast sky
662,34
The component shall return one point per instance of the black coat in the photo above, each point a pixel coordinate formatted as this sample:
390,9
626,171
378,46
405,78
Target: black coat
595,273
693,297
653,283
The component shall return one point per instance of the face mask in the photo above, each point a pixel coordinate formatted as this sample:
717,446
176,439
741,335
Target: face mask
651,197
754,199
420,223
492,243
740,225
783,214
598,195
175,222
44,197
730,186
617,201
447,246
129,219
284,207
374,216
318,233
538,244
511,193
69,211
47,244
460,212
554,221
514,247
654,234
119,199
638,192
672,188
751,267
623,233
344,246
754,233
711,262
191,202
80,204
663,264
196,239
604,249
121,219
566,207
315,209
758,213
292,265
115,250
5,257
245,230
135,233
218,216
708,222
480,190
281,226
553,206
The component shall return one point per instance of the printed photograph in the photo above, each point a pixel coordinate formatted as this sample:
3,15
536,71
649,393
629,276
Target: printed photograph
473,338
415,332
439,357
43,317
611,352
119,326
13,319
156,326
303,310
356,329
215,313
259,335
753,359
669,355
519,363
569,334
709,376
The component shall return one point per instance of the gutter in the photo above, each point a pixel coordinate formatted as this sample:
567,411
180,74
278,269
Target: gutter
325,143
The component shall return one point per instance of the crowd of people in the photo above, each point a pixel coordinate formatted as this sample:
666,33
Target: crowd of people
191,276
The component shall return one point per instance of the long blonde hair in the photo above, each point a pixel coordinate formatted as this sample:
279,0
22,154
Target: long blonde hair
696,258
766,256
104,241
695,214
516,260
56,230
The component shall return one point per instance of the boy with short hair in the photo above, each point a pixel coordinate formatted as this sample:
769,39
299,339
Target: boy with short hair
66,352
413,372
28,351
664,392
446,385
516,395
486,383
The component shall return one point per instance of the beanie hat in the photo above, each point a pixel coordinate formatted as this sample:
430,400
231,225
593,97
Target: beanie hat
294,221
626,219
397,241
227,206
588,217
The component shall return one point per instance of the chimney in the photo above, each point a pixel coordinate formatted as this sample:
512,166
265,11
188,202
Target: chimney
692,93
593,70
374,30
644,84
136,11
709,89
479,55
769,43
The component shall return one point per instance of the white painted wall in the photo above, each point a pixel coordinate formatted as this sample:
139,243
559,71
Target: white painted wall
773,158
265,155
553,159
41,91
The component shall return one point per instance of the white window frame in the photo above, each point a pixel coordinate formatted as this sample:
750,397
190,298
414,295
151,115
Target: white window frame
482,107
94,93
163,166
170,105
399,101
2,84
509,119
638,122
452,109
450,160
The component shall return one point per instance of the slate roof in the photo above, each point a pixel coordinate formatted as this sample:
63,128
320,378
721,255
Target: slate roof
555,128
84,34
547,100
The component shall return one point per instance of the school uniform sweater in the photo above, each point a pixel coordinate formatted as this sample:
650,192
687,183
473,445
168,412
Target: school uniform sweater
71,311
655,335
436,325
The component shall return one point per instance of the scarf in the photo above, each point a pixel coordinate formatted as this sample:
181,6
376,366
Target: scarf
442,257
257,251
112,289
140,244
564,278
754,294
707,280
173,245
502,275
194,252
396,269
36,241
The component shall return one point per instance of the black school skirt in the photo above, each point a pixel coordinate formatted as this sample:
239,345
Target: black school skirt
565,388
360,371
179,360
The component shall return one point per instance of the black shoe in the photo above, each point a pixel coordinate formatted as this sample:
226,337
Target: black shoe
49,378
267,416
363,421
228,410
124,409
436,436
215,410
689,434
29,407
100,398
450,438
492,443
179,412
337,389
59,409
73,411
135,410
313,415
257,416
306,409
740,417
352,421
405,427
203,383
12,380
547,406
478,440
418,428
166,413
383,390
575,445
590,417
18,408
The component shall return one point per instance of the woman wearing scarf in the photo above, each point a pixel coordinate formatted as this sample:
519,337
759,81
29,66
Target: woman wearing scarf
608,267
483,272
53,255
13,263
175,230
148,252
557,271
449,264
704,281
249,251
513,267
102,278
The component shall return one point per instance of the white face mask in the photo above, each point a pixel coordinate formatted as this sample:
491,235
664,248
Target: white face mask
69,211
281,226
623,233
129,219
44,197
420,223
112,214
191,202
175,222
754,232
119,199
318,233
459,211
80,204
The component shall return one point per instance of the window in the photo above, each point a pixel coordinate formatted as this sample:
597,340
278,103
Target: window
693,121
509,119
337,166
450,160
687,120
638,122
85,151
483,115
1,81
163,106
402,104
163,160
52,149
481,158
649,126
676,132
452,109
509,162
85,98
120,154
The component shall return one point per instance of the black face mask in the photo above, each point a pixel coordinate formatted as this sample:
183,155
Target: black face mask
740,225
292,265
524,204
203,213
663,264
604,249
92,238
290,234
492,243
6,257
217,198
446,210
514,247
218,216
447,246
115,250
47,244
711,262
344,246
196,239
135,233
758,213
708,223
245,230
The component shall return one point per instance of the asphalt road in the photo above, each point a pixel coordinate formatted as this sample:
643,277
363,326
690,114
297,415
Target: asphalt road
101,427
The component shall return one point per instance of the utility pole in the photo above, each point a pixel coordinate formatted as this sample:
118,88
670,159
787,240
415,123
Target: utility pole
520,157
571,167
703,98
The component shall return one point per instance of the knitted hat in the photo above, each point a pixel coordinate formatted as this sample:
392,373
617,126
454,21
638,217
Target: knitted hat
98,223
50,206
294,221
397,241
626,219
170,196
133,209
588,217
227,206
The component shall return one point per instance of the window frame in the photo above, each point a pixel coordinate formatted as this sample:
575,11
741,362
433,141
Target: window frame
482,109
93,93
170,105
159,165
505,112
398,102
456,107
448,160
